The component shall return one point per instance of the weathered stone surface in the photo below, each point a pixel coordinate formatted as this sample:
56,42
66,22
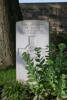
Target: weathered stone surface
29,35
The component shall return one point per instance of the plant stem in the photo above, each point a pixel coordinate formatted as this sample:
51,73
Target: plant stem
58,98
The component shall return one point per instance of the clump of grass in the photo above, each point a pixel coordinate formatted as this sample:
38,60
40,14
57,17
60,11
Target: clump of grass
7,75
16,91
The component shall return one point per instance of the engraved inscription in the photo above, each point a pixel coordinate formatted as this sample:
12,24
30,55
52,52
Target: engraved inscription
29,35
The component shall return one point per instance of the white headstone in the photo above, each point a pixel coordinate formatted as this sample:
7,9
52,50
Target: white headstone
29,35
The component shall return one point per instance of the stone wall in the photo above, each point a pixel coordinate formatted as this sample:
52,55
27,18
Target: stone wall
54,13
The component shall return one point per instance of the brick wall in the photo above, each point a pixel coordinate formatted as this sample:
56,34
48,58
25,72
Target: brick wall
54,13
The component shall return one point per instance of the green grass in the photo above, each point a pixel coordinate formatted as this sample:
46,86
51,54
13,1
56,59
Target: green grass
7,75
10,89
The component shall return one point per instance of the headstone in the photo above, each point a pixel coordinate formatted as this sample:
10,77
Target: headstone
29,35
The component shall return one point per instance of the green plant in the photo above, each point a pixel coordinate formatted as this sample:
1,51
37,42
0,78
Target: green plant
35,74
57,77
6,75
49,78
15,91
